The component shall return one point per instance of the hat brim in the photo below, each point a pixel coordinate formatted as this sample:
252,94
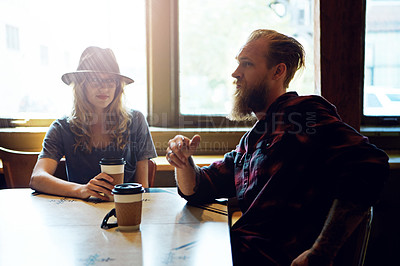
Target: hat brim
71,77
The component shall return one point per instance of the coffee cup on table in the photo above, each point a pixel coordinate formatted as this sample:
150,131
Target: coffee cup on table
128,207
113,167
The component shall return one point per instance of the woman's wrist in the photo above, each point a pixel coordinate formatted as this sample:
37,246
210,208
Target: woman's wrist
79,191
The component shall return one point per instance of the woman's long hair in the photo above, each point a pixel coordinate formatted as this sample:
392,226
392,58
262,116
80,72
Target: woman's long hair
117,118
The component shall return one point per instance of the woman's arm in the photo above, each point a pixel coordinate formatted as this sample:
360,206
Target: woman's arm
43,180
142,173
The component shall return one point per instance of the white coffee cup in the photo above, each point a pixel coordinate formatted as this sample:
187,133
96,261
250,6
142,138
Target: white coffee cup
113,167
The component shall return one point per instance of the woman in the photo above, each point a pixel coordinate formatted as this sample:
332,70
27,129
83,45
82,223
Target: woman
99,126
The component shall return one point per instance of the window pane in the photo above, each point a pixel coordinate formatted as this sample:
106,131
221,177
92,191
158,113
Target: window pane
12,37
382,59
210,35
45,38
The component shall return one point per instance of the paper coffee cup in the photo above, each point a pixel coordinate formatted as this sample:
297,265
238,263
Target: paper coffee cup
128,205
113,167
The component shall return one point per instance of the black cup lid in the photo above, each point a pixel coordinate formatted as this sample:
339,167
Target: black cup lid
127,188
112,161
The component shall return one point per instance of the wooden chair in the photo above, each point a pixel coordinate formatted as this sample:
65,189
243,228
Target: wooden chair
234,212
354,250
367,225
18,166
152,168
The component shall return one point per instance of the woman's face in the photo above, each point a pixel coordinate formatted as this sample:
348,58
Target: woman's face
100,90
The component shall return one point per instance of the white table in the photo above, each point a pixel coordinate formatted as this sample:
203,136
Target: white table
39,229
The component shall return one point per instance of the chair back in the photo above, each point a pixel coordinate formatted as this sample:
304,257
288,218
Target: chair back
152,168
354,250
17,167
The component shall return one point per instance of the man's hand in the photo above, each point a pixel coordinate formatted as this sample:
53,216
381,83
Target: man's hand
343,219
308,258
180,148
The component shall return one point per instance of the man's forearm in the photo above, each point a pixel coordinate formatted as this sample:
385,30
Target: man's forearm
343,219
186,178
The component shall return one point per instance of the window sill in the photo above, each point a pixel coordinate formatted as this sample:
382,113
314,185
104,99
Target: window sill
386,138
215,141
380,131
205,160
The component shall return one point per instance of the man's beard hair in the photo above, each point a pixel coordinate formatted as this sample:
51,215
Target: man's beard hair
248,101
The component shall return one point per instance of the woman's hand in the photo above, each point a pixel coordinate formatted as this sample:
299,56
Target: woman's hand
180,148
99,186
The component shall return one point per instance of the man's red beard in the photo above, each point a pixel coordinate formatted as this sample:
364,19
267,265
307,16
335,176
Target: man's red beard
248,101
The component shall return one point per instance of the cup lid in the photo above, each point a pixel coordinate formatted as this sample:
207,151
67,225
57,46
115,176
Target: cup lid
112,161
127,188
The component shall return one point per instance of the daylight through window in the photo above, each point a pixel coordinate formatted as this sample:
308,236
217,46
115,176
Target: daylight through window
45,38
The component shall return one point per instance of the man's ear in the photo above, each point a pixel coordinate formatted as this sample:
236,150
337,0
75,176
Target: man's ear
280,71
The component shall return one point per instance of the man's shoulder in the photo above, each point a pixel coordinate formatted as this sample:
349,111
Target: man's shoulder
306,99
309,103
300,110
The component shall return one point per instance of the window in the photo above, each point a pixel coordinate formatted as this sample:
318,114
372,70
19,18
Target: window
12,37
382,61
210,36
192,47
44,55
50,36
187,58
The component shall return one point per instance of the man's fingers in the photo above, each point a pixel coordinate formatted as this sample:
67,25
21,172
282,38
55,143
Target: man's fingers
180,148
180,141
178,145
177,163
194,142
174,159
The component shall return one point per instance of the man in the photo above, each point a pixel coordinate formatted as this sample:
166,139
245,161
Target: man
304,179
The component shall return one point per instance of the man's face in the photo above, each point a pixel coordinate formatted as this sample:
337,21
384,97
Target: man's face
252,81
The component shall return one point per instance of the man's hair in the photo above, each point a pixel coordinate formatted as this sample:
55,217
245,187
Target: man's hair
281,49
118,119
